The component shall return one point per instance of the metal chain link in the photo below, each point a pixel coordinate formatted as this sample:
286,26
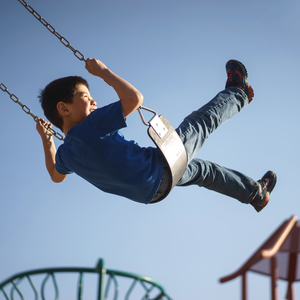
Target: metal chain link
28,111
63,40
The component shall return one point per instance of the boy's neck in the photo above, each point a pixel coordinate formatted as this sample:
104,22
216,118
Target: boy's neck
67,126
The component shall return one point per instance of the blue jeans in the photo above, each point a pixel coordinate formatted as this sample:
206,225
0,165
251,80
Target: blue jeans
195,129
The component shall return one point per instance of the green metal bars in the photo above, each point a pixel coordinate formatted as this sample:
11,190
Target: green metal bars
110,284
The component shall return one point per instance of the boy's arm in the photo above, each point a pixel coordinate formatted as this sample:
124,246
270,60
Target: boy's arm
49,150
130,97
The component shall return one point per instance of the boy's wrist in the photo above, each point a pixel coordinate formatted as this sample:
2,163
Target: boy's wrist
104,73
47,137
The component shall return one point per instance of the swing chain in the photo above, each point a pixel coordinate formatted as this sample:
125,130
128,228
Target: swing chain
63,40
27,110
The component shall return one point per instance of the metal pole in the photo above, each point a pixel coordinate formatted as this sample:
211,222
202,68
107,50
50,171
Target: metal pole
244,286
274,277
101,271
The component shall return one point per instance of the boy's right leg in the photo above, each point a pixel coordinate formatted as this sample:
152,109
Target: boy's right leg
196,127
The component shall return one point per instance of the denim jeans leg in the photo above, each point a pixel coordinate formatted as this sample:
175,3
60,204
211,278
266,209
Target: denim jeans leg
196,128
219,179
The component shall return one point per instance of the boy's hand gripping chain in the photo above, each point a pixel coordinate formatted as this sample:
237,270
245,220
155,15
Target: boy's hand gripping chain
64,41
27,110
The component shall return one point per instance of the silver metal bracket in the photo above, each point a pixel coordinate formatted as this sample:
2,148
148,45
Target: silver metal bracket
158,126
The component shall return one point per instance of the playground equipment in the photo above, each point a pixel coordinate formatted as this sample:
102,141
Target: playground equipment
277,258
110,284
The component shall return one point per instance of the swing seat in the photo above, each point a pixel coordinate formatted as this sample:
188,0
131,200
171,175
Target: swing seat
170,145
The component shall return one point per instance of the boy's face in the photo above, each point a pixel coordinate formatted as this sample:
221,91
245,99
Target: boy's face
82,105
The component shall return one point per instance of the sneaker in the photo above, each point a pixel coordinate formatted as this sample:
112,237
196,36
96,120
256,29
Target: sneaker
265,187
237,76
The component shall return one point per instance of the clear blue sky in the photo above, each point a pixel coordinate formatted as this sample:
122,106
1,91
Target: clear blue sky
175,53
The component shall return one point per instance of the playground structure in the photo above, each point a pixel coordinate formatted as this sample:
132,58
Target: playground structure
110,284
278,258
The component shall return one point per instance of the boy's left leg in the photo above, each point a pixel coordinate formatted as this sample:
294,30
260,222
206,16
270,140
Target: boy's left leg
229,182
219,179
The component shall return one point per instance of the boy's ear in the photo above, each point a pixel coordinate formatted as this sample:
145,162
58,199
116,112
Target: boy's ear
62,108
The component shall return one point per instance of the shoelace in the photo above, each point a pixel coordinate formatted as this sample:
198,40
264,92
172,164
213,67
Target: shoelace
264,182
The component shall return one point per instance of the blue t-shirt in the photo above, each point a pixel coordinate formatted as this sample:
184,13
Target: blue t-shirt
96,151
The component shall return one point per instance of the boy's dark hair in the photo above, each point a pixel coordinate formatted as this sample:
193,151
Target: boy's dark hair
62,89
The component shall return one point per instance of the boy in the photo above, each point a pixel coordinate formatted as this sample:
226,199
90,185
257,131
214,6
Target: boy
96,150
